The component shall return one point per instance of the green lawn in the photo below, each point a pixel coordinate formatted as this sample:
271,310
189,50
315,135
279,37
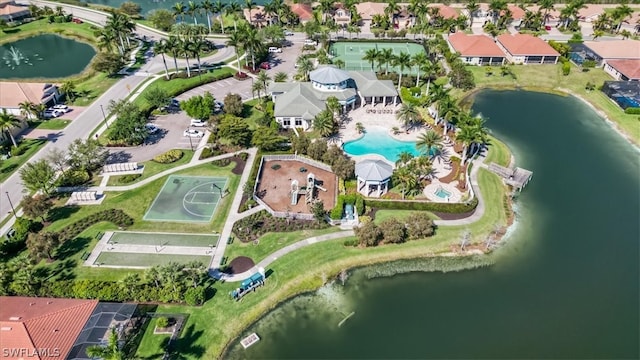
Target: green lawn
82,31
384,214
134,259
304,270
159,239
498,152
53,124
548,78
9,166
152,344
271,242
92,87
136,202
151,168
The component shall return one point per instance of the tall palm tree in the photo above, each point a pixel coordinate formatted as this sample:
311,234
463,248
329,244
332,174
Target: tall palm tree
161,48
68,88
252,42
179,10
107,40
406,178
193,9
249,5
371,55
198,45
333,104
472,7
404,158
7,122
497,7
258,87
466,135
305,67
324,123
233,8
235,40
391,10
264,79
185,50
27,109
408,114
429,68
326,6
219,8
385,56
620,14
428,142
207,7
402,61
546,6
417,60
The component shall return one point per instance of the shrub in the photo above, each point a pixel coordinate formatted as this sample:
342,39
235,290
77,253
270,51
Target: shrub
162,322
125,179
194,296
74,178
115,216
244,156
458,208
209,152
221,162
566,68
632,110
17,151
351,242
169,157
336,212
360,204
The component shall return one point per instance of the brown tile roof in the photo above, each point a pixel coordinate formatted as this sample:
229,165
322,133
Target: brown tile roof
475,45
629,68
42,323
516,12
553,14
525,44
447,12
7,9
303,11
615,49
368,9
13,93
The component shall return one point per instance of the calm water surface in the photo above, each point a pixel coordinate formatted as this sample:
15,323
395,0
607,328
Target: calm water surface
565,286
44,56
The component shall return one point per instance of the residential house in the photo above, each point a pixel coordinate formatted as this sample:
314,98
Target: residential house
10,11
517,15
527,49
341,15
368,9
446,12
476,49
297,104
14,93
304,12
48,328
623,70
602,51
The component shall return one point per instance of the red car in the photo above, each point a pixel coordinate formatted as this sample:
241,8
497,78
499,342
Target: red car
265,65
547,27
77,21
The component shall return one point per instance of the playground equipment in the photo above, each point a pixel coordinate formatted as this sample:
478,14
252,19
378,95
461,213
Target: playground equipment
308,192
249,284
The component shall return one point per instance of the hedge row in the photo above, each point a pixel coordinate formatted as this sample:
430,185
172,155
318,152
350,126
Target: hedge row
115,216
169,157
632,110
457,208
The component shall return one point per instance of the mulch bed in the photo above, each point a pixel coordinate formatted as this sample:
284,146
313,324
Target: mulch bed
450,216
239,265
240,164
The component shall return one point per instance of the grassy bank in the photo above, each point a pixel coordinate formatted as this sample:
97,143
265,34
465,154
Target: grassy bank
9,166
52,124
549,78
305,270
83,32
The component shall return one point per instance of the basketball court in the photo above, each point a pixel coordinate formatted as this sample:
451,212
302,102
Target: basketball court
353,52
187,199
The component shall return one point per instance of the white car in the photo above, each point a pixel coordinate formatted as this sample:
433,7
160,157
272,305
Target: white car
274,49
288,33
61,107
193,133
151,129
51,113
198,123
310,42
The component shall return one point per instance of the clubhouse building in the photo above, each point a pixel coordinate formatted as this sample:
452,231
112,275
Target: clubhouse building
297,104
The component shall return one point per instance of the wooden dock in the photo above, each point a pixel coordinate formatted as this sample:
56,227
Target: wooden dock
518,177
249,340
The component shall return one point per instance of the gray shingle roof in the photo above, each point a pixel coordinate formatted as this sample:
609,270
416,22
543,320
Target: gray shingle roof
299,100
329,75
369,85
374,170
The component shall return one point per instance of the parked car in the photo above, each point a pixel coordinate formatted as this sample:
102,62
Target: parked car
198,123
193,133
265,65
77,21
288,33
62,107
310,42
175,103
52,113
547,27
219,106
274,49
151,129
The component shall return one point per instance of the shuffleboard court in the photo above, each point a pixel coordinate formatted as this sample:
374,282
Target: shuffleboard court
146,260
352,53
163,239
187,199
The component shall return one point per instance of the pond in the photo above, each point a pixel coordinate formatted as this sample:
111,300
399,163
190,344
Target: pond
44,56
564,286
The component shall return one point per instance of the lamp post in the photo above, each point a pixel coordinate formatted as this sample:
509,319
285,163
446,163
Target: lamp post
11,204
104,117
190,142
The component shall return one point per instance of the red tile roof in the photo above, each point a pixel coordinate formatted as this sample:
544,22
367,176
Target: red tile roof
447,12
615,49
525,44
49,325
516,12
303,11
474,45
629,68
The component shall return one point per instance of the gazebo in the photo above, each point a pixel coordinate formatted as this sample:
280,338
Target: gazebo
373,177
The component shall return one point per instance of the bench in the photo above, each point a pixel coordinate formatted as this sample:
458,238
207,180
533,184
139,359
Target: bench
119,167
84,195
85,256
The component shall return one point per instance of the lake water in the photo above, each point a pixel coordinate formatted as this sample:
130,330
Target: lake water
565,285
44,56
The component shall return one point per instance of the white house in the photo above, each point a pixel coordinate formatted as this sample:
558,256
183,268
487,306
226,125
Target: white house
373,177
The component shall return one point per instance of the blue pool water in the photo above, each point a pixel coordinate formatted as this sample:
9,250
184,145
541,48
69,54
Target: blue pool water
442,193
377,141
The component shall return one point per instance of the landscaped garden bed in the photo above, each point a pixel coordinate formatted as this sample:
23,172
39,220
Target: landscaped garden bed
252,227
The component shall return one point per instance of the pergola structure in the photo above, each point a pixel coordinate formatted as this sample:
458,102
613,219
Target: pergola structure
373,177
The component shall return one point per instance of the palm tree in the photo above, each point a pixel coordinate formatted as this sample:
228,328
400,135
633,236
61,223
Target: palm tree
109,352
339,63
179,9
325,8
233,8
207,7
235,40
172,46
472,7
161,48
305,67
404,158
408,114
417,60
406,178
7,122
385,56
198,45
333,104
371,55
68,87
323,123
625,34
27,109
402,61
263,78
428,142
193,9
258,87
497,7
39,109
280,76
249,5
185,50
391,10
429,68
219,8
252,42
466,135
620,13
547,6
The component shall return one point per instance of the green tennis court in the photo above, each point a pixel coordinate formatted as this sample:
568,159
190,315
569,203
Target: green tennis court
352,52
147,260
187,199
163,239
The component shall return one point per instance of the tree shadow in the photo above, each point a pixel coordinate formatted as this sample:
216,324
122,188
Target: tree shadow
184,347
10,168
62,212
63,270
118,156
72,247
11,31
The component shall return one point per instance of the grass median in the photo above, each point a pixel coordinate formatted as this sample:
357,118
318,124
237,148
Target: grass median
29,148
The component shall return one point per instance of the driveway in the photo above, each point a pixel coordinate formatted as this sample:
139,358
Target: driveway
168,137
